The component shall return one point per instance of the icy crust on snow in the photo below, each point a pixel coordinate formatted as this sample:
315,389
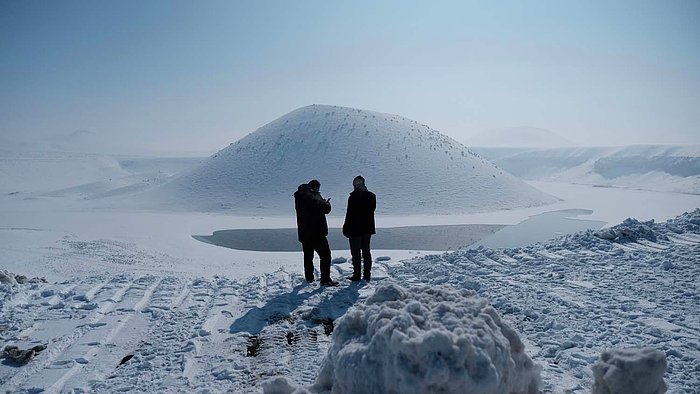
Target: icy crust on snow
576,296
630,371
260,172
426,339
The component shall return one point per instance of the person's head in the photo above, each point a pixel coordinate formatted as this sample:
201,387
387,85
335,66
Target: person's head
358,182
315,185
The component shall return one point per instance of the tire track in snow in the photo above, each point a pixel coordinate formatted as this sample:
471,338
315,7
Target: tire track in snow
93,352
90,294
179,340
58,347
177,301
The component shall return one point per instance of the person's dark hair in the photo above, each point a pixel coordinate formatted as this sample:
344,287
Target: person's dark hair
315,184
359,177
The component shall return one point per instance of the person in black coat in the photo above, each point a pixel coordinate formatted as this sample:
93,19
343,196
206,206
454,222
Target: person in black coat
359,227
312,229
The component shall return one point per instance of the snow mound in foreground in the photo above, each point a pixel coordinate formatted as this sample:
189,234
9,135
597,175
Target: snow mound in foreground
424,339
630,371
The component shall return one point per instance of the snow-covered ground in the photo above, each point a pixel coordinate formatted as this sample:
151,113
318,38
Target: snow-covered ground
570,299
198,317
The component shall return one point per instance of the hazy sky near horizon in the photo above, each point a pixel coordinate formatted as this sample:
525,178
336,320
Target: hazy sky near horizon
193,76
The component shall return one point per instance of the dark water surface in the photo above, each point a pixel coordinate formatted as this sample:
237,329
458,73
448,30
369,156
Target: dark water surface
536,228
433,238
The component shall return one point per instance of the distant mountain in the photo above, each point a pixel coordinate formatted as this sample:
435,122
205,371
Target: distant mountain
40,172
79,141
411,167
83,175
519,137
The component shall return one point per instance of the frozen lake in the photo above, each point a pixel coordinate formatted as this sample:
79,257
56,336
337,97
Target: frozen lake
438,238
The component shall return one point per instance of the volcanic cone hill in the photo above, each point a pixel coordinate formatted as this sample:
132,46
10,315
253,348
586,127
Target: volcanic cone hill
412,168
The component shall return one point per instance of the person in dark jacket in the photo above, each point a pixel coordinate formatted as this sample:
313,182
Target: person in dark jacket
359,227
312,230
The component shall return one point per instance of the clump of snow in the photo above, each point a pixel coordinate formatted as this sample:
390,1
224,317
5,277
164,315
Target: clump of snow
426,339
630,371
689,222
630,230
16,355
281,385
8,278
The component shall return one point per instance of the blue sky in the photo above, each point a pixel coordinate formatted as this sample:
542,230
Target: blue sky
197,75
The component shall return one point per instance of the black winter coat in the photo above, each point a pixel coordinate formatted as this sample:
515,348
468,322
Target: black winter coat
359,218
311,211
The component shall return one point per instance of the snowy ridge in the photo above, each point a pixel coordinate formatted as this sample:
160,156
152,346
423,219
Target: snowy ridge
649,167
569,299
333,144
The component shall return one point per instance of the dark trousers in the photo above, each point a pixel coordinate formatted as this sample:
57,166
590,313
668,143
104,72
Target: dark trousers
360,243
320,246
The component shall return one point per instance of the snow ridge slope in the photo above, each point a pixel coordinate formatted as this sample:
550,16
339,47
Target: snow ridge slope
411,167
649,167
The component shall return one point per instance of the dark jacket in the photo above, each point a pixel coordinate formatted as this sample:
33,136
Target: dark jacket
359,218
311,211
